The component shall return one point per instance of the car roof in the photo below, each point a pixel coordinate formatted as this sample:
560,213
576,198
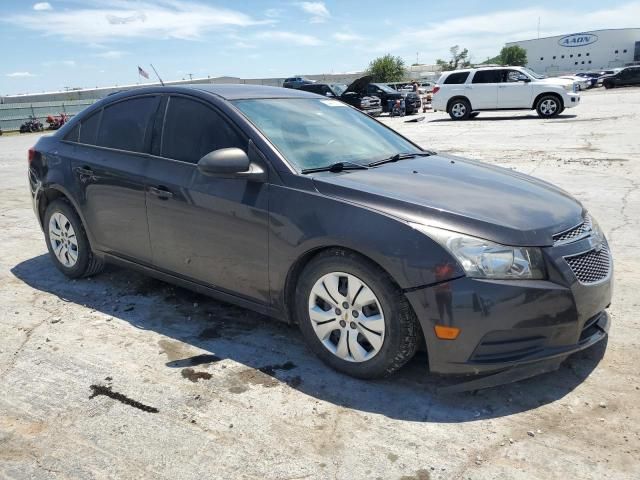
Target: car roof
227,91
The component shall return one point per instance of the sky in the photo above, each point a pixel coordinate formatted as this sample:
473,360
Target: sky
87,43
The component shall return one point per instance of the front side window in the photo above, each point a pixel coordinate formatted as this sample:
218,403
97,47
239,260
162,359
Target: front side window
514,76
125,124
312,133
193,129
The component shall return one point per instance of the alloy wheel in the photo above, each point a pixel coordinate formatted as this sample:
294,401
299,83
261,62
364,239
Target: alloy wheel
347,317
458,109
548,107
63,240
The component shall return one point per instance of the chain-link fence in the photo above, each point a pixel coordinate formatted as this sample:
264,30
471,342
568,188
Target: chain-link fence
12,115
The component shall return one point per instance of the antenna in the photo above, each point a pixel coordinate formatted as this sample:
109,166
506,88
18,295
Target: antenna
156,72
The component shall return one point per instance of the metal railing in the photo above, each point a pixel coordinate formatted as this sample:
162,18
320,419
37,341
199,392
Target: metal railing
12,115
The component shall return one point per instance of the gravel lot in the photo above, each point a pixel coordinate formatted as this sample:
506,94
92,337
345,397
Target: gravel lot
122,376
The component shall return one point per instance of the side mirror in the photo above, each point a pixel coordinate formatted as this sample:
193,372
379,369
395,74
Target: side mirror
525,80
224,162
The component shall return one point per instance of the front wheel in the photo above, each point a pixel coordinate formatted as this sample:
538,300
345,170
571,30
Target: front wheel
548,106
354,317
67,241
460,109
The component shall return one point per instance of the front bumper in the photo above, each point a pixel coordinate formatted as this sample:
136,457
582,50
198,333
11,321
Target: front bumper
506,324
373,111
571,99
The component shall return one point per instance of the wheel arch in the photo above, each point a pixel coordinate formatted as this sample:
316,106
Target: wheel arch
457,97
544,94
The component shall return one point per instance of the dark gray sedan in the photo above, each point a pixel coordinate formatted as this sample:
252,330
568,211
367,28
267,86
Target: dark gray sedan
303,208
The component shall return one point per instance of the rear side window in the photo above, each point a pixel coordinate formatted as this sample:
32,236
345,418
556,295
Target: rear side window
487,76
89,128
125,124
193,129
457,78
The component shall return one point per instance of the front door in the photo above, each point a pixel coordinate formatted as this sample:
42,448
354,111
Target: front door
514,90
108,166
206,229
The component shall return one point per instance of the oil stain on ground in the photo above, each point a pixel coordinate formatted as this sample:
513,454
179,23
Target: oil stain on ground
107,392
194,376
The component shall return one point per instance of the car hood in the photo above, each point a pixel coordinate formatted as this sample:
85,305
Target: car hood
556,81
460,195
359,85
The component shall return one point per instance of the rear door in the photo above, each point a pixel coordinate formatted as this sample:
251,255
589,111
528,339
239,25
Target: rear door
482,92
207,229
514,90
108,166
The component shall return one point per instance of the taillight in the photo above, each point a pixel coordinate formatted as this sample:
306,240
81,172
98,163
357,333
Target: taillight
32,154
436,89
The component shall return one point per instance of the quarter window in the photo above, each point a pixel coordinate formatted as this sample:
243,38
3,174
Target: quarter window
73,134
125,124
89,129
457,78
193,129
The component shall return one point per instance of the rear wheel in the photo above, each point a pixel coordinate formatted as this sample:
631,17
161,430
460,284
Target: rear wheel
354,317
460,109
548,106
67,241
608,85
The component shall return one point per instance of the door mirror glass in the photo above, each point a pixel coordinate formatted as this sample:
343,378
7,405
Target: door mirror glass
224,161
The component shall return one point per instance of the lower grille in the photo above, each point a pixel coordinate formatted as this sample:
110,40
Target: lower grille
592,266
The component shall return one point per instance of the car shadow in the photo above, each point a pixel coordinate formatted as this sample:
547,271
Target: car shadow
482,118
275,352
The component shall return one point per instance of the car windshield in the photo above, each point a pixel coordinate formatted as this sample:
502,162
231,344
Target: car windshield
338,88
316,133
533,74
385,88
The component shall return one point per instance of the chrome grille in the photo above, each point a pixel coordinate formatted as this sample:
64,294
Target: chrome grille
573,233
591,266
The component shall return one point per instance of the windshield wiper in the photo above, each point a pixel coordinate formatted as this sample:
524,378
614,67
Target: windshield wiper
336,167
400,156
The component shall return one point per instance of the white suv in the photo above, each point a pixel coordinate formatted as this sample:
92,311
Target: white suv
465,93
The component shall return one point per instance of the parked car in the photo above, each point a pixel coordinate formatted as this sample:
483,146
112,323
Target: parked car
388,96
581,83
626,76
465,93
591,76
296,82
305,209
354,94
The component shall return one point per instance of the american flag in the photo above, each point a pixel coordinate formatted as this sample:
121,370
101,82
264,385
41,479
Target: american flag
142,72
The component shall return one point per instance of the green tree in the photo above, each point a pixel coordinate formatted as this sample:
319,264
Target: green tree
387,69
514,56
459,59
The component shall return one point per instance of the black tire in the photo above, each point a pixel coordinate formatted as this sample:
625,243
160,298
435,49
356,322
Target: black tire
608,85
87,263
549,106
474,114
459,109
401,336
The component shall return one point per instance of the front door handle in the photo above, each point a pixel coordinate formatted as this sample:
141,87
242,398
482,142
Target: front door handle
161,192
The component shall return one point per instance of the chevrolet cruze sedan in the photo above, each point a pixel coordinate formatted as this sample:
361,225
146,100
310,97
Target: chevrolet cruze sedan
303,208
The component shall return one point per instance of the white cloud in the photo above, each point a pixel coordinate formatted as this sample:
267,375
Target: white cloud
318,11
484,35
111,54
295,38
346,37
42,6
20,74
64,63
183,19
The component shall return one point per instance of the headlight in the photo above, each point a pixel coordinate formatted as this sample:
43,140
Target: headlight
484,259
569,87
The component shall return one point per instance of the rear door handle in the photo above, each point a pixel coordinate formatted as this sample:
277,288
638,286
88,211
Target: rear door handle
84,171
161,192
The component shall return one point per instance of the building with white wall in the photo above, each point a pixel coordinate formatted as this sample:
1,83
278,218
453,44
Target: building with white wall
595,50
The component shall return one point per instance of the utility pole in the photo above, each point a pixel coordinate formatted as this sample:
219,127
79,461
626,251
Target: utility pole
190,76
538,28
417,58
